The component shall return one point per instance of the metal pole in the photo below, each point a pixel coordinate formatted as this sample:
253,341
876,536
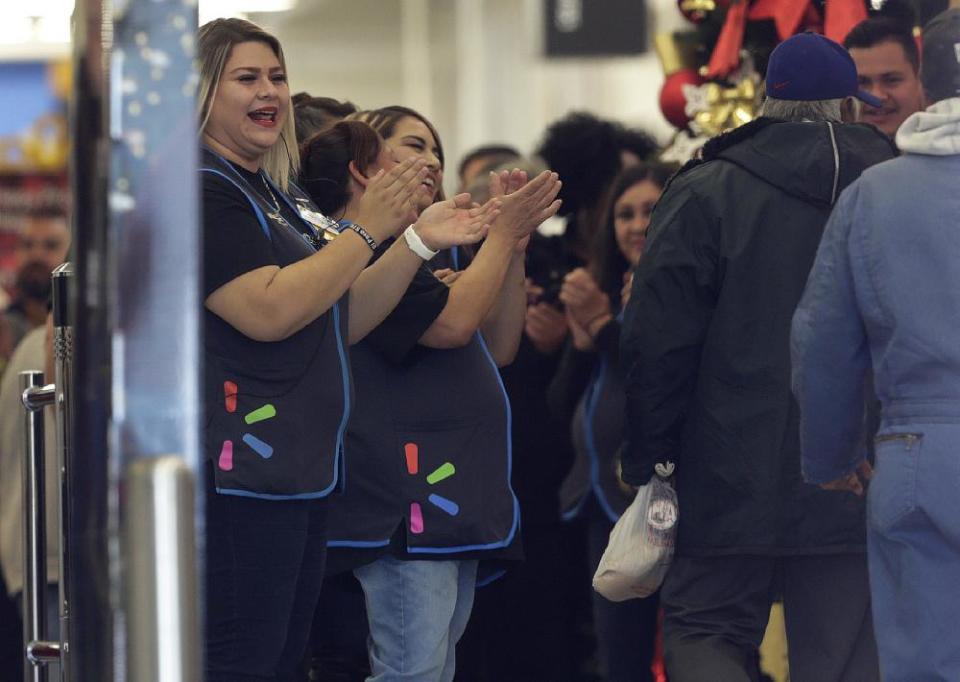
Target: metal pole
38,651
160,590
63,381
91,628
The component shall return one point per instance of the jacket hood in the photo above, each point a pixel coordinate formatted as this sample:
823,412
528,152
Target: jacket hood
813,161
934,131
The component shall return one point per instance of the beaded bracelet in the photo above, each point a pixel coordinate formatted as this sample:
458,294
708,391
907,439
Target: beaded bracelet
371,242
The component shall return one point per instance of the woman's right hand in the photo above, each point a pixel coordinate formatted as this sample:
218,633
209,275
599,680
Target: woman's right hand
387,205
579,336
455,222
627,288
585,302
546,327
525,204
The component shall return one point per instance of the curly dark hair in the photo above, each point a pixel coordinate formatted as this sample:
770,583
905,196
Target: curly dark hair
584,151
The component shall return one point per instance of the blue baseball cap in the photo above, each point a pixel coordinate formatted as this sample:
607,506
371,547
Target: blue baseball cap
809,67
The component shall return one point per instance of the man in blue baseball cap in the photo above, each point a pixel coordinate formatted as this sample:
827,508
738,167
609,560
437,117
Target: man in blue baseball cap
809,67
706,345
886,286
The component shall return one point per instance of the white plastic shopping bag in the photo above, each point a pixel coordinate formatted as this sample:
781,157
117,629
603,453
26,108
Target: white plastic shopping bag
641,544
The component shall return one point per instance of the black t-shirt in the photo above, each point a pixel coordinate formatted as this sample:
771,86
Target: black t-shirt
397,336
234,241
274,409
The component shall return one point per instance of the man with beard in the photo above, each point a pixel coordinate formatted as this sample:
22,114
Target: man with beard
41,246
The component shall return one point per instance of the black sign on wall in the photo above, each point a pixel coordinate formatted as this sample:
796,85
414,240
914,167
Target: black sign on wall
595,28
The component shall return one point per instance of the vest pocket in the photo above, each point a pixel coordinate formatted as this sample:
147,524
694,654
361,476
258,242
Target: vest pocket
273,434
455,491
892,494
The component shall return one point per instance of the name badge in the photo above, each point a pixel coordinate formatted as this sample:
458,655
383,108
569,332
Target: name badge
325,226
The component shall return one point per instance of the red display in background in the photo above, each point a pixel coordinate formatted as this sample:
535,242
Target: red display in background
786,14
841,16
726,51
33,151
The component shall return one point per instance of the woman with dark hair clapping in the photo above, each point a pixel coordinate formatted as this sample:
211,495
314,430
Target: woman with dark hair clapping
588,391
428,491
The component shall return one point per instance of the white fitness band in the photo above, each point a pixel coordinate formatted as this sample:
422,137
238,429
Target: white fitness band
416,244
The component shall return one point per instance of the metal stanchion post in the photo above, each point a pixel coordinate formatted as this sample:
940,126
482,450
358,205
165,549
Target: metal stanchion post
63,381
38,651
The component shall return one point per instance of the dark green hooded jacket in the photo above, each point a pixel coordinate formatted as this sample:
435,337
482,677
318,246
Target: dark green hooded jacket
706,338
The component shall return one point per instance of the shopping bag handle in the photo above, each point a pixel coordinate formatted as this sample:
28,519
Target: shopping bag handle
664,469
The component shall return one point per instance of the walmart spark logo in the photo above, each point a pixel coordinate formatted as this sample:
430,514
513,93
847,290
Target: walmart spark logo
262,413
412,453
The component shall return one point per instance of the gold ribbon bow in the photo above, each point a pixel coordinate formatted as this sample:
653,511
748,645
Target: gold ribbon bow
727,108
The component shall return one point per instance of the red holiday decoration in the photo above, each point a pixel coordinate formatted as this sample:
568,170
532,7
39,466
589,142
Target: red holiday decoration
726,53
841,17
672,100
786,14
812,20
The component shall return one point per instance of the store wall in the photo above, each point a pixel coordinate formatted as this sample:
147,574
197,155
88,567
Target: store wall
475,67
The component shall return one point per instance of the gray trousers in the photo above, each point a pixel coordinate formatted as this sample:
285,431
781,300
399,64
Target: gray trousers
716,611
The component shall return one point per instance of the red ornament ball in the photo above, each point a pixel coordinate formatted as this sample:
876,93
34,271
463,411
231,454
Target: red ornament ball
672,101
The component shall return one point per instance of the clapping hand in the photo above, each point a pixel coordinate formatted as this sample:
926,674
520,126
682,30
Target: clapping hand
579,336
507,182
525,204
456,222
447,275
545,326
584,301
387,204
627,287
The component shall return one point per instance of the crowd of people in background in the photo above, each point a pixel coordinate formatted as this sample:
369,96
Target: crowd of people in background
425,414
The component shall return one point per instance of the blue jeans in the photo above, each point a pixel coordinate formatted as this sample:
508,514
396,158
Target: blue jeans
913,508
417,611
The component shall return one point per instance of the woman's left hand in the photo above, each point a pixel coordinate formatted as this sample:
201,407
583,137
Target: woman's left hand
584,300
507,182
455,222
546,327
627,288
447,275
579,336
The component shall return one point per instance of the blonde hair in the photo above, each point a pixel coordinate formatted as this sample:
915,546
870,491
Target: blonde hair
215,40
